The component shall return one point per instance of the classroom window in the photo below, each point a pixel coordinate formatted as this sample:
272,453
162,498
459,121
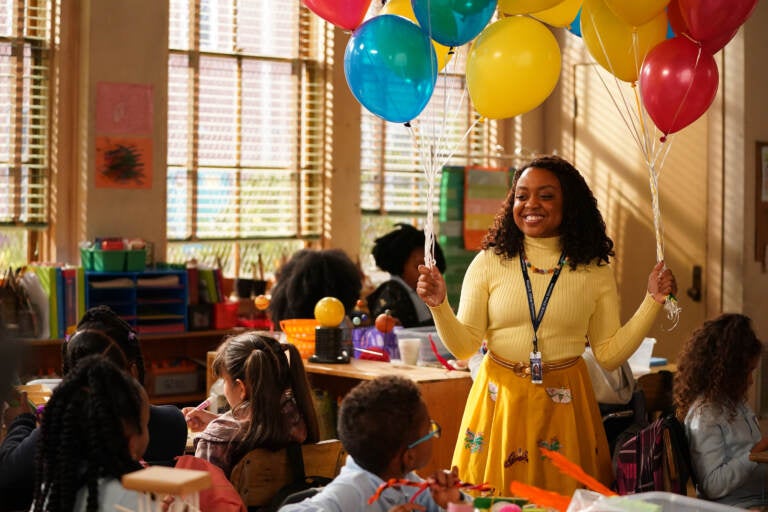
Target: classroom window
393,182
248,118
27,36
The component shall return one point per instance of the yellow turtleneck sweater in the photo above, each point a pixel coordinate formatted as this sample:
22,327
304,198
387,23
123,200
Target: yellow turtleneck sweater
583,307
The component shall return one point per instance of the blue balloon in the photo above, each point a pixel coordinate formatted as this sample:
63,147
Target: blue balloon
575,26
391,67
453,22
670,31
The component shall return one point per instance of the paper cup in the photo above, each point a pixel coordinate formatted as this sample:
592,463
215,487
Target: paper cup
409,350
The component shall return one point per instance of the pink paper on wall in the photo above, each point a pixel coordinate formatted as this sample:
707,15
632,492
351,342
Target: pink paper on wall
124,109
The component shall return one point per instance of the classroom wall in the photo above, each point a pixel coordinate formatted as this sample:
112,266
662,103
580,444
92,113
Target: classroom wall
711,164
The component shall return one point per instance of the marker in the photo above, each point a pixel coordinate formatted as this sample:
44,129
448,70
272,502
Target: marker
203,405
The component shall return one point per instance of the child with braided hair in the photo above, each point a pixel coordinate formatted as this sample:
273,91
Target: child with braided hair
269,398
100,331
94,430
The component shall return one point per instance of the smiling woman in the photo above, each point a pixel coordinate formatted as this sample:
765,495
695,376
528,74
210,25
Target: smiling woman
541,288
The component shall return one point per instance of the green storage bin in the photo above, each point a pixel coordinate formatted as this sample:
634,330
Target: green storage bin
86,257
108,261
136,260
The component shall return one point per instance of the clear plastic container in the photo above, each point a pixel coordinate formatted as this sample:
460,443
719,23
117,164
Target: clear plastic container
675,502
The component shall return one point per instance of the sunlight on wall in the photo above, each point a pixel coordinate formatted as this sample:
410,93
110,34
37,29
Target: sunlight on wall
599,117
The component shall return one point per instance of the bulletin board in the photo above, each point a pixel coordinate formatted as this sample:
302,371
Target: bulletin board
761,202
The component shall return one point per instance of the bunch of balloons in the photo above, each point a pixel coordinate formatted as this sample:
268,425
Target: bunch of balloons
392,59
678,76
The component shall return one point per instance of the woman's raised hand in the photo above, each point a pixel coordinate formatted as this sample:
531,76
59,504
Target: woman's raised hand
661,283
431,286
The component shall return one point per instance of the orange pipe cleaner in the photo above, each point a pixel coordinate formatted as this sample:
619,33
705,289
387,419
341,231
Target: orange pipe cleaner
574,470
540,496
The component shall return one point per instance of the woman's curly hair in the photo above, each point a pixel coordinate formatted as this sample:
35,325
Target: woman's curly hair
392,250
582,230
308,277
83,433
714,364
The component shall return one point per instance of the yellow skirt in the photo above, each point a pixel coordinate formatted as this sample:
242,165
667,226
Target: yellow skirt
507,419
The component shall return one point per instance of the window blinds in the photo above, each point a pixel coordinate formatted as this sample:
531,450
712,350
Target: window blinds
247,117
26,38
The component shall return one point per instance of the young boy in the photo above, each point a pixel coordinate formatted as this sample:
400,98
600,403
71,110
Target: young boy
385,428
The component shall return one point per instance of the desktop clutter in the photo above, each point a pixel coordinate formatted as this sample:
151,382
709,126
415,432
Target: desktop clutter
332,337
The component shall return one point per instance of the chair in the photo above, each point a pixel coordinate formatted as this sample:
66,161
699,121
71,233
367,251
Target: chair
659,397
261,474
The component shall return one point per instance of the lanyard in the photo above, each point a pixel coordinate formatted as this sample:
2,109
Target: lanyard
536,319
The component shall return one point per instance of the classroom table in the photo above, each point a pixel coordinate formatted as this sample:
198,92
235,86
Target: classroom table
445,393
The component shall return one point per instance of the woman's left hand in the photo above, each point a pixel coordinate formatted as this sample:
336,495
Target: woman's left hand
661,283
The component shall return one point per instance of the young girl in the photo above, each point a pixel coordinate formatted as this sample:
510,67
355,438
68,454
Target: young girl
94,430
714,372
269,396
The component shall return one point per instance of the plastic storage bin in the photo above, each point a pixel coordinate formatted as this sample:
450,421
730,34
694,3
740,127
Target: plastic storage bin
640,361
301,332
675,502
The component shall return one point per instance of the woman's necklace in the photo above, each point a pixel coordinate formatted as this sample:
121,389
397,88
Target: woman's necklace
537,270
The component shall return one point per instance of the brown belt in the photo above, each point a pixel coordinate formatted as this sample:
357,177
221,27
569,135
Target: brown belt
523,369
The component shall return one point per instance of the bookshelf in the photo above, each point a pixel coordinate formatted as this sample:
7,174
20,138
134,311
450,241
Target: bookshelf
153,302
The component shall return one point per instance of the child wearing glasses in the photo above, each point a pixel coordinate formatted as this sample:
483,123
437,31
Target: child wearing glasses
384,425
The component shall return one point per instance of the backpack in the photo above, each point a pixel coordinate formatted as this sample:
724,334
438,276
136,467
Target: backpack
654,457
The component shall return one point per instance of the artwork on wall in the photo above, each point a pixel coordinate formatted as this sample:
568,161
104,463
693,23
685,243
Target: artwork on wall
123,162
124,114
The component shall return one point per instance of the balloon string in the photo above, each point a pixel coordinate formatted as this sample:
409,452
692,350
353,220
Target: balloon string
688,90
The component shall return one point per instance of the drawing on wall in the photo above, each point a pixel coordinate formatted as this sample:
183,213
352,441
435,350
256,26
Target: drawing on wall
123,162
123,109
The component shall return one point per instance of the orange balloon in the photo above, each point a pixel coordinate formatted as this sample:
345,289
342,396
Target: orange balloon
561,15
525,6
616,45
636,12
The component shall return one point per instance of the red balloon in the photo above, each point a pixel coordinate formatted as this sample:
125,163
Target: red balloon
678,82
709,19
678,24
346,14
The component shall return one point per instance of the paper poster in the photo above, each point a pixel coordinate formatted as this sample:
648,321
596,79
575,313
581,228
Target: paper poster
123,109
484,193
123,162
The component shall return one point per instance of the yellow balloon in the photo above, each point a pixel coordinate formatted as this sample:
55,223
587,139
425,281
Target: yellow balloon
329,311
636,12
616,45
513,65
405,9
560,15
525,6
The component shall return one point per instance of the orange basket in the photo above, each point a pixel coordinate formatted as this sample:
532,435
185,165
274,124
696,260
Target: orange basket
301,333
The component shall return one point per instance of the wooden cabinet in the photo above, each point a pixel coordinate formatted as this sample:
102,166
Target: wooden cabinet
153,302
43,357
